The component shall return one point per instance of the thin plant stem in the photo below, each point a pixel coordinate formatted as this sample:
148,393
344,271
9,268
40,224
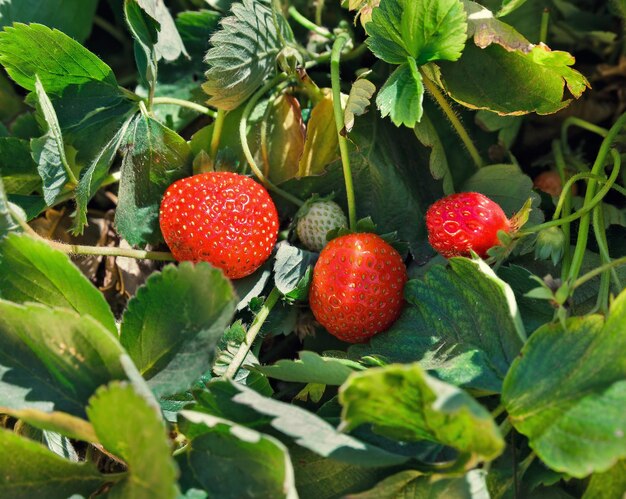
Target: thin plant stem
358,51
77,249
218,126
563,197
263,139
243,136
308,24
335,60
276,7
543,29
199,108
580,123
566,199
599,230
497,411
602,302
598,165
505,427
454,120
252,333
586,208
319,9
597,271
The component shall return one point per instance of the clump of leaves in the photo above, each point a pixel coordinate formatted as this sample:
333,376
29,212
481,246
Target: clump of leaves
502,377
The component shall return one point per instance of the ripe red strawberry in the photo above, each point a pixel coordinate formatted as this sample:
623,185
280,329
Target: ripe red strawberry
357,286
465,221
223,218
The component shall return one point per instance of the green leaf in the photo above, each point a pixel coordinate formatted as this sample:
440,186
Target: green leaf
229,460
415,484
509,6
361,93
172,350
424,30
233,401
10,101
321,145
512,82
94,175
292,266
427,134
49,151
59,422
401,96
535,313
404,403
131,429
31,271
25,126
30,206
311,368
169,45
72,17
17,168
325,478
53,359
27,51
507,127
243,53
154,158
508,186
567,392
145,31
463,323
7,223
609,484
247,374
28,469
179,79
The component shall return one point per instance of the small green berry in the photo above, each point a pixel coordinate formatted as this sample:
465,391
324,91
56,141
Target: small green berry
322,216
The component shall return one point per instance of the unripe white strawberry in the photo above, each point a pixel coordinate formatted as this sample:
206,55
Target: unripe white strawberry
321,217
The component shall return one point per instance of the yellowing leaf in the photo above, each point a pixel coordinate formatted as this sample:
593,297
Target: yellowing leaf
321,145
285,139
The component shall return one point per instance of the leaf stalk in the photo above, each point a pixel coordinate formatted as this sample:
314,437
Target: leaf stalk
454,120
243,137
199,108
335,60
252,333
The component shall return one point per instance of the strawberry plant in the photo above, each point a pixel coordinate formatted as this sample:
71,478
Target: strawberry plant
316,249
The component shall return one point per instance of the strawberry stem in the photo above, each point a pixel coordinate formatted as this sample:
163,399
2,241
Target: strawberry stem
597,271
585,125
252,333
199,108
543,28
308,24
78,249
454,120
587,206
596,169
218,126
243,137
599,231
335,59
565,200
